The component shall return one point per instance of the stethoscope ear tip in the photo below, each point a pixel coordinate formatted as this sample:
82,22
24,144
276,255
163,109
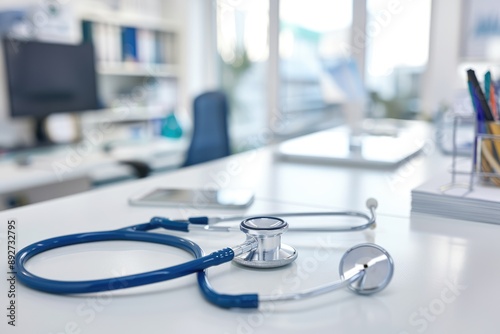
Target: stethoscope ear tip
371,203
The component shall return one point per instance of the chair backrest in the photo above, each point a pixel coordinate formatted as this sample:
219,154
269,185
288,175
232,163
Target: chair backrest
210,132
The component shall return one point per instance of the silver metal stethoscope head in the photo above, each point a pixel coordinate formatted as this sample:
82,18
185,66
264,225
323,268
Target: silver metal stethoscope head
365,268
374,261
264,235
263,247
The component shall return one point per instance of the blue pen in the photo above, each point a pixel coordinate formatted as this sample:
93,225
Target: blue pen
481,125
487,85
480,128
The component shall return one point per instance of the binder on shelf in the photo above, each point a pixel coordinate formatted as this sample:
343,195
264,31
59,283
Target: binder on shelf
86,31
129,44
98,36
169,48
159,42
117,46
107,32
145,46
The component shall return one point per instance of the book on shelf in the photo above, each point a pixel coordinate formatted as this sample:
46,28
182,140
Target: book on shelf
87,31
160,54
129,44
168,47
115,45
123,44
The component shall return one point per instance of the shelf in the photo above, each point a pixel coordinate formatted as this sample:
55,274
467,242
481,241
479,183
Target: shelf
132,20
123,114
137,69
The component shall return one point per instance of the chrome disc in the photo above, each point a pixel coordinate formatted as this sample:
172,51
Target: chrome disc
376,263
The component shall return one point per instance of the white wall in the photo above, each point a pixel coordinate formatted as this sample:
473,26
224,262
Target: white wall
441,79
201,45
198,48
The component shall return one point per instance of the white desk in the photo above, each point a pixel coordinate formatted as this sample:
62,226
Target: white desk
446,278
66,170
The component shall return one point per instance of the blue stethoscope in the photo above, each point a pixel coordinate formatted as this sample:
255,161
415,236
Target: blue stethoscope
365,268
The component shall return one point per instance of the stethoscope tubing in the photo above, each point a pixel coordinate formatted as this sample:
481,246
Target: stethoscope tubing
75,287
197,265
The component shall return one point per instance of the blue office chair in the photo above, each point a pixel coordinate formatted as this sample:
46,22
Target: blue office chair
210,132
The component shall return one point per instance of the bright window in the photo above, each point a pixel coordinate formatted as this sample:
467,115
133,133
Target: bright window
311,34
397,38
242,43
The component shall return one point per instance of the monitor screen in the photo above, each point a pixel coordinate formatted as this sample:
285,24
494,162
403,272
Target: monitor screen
46,78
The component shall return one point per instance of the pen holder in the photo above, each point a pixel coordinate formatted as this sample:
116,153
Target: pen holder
488,152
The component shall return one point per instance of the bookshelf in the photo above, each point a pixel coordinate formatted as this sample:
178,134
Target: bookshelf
131,49
122,114
138,60
124,69
126,19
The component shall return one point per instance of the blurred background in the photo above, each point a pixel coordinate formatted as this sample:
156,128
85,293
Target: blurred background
286,67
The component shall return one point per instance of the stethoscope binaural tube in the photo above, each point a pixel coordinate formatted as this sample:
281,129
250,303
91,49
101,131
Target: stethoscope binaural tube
211,223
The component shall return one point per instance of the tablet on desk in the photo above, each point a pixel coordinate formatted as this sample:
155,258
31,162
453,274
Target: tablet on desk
223,198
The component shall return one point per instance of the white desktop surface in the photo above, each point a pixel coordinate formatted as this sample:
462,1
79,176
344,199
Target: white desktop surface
14,177
68,162
445,279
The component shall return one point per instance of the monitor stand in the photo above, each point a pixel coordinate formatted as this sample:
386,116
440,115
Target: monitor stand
383,143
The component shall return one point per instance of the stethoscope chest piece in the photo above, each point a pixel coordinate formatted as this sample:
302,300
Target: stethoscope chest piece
268,252
374,261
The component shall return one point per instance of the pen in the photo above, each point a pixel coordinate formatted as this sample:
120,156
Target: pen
493,101
490,94
481,127
478,129
478,93
483,115
487,82
492,128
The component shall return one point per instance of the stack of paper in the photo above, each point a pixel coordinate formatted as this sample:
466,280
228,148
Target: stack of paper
440,197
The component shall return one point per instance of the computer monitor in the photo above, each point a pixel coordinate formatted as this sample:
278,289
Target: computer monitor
46,78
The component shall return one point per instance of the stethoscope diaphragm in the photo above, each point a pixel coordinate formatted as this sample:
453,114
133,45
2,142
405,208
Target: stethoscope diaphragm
376,263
